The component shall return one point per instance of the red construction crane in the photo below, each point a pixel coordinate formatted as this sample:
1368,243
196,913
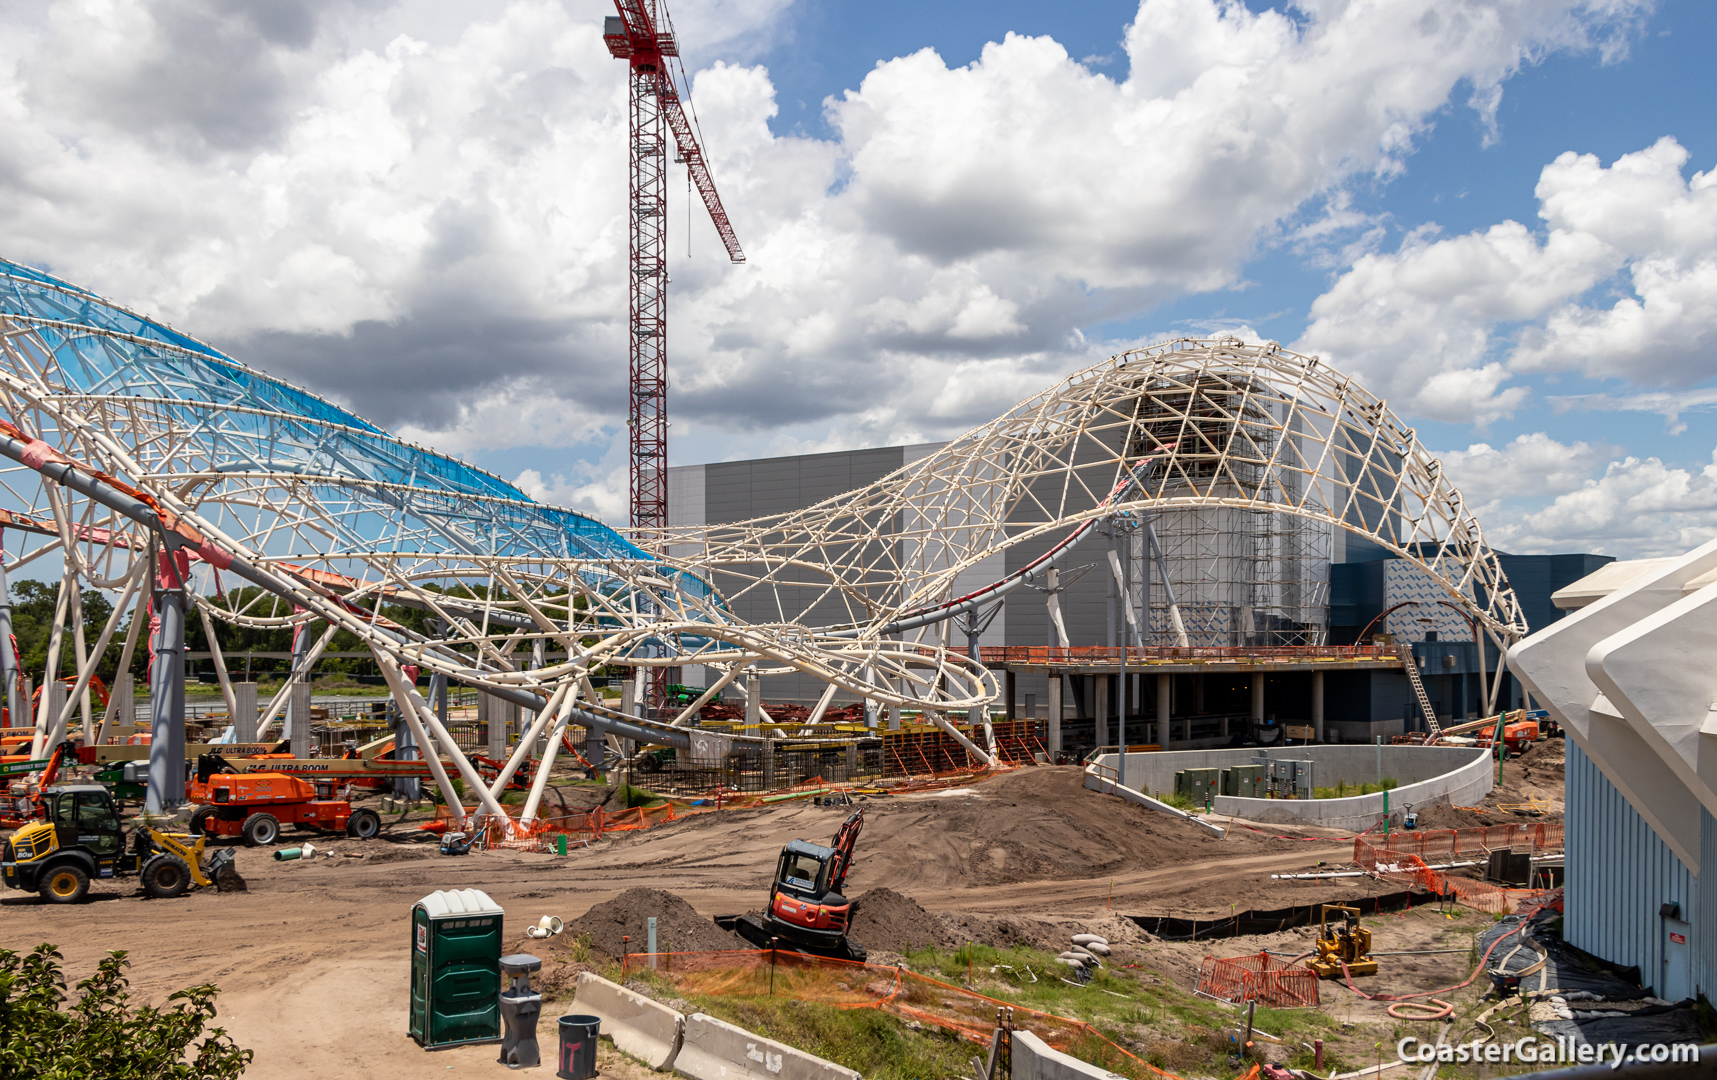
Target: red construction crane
642,34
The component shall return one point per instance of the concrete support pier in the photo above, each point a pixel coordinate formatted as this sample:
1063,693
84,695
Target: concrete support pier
1318,705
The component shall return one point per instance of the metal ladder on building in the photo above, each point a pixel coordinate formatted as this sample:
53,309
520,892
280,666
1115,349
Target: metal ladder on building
1411,664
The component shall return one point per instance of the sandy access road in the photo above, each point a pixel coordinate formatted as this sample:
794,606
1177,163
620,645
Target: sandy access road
313,960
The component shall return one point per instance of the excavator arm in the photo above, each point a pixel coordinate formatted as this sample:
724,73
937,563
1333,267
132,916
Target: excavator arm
844,842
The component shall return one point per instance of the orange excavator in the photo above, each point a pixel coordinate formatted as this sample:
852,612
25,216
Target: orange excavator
24,803
806,911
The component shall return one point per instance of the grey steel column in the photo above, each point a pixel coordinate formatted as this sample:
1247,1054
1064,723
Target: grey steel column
975,715
296,675
1126,639
166,788
405,743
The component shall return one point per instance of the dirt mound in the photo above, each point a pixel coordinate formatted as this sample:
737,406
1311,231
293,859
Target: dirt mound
886,920
1030,825
1537,775
678,927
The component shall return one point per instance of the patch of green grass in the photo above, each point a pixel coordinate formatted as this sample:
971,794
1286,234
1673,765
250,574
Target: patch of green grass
1130,1007
1345,790
1177,800
630,796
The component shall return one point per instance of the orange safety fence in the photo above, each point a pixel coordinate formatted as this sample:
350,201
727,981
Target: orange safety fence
1434,845
1398,858
843,984
1262,978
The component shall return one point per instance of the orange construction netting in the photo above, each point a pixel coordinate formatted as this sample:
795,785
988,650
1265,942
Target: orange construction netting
1397,858
1262,978
844,984
1442,844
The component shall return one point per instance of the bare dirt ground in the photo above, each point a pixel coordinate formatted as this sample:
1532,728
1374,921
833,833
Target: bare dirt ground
313,960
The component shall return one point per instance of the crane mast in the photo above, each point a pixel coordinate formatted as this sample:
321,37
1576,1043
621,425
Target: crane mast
638,36
642,35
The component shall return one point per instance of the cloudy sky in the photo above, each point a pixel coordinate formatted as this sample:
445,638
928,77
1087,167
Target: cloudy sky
1500,214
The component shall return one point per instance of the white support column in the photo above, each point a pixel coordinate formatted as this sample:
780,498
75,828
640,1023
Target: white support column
1257,697
80,653
467,771
244,712
220,663
1318,704
540,782
55,703
121,707
494,713
1054,713
816,716
39,747
753,704
405,699
299,704
527,740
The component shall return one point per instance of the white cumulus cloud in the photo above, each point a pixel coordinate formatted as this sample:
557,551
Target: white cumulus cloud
421,209
1444,325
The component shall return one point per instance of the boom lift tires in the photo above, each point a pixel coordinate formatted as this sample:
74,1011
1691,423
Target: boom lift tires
260,830
364,824
199,824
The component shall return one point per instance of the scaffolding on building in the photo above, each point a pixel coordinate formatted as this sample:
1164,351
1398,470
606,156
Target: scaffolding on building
1241,573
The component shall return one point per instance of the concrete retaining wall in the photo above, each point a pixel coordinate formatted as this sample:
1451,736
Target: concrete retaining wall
1034,1059
645,1029
716,1050
1428,774
1099,783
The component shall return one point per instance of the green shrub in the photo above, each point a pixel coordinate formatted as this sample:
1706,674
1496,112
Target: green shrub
42,1033
631,796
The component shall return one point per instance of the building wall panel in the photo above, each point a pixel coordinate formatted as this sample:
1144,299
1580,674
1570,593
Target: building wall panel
1619,875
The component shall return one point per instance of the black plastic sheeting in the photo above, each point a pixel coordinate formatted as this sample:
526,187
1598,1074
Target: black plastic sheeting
1586,984
1273,920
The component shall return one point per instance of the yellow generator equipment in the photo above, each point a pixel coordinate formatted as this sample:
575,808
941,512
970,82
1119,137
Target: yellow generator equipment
82,840
1345,943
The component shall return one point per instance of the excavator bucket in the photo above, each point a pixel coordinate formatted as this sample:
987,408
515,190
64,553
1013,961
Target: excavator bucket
222,869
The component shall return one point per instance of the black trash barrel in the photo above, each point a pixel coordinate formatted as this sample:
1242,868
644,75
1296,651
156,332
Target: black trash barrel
578,1046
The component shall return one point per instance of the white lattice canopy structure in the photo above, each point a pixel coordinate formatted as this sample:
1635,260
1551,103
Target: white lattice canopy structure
141,461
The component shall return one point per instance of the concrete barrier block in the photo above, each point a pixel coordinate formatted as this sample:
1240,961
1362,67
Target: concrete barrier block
1034,1059
645,1029
716,1050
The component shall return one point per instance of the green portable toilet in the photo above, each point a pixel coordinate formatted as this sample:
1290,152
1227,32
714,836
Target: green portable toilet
455,968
